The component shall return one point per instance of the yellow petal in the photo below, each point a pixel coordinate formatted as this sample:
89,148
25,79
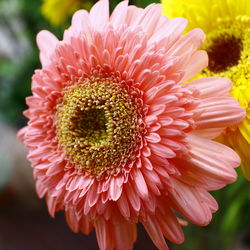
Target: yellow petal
244,127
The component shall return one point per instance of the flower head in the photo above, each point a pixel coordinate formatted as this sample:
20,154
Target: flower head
227,26
57,11
115,138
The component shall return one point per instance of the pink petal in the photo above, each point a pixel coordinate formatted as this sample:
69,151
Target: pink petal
115,190
153,229
196,64
189,203
157,109
212,159
170,226
169,32
195,37
140,184
150,19
133,197
125,235
51,203
79,24
84,225
46,42
161,150
147,163
71,220
99,14
123,205
21,133
92,196
219,113
211,86
101,233
119,14
153,138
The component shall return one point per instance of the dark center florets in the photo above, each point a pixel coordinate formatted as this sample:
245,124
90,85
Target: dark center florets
91,125
98,125
224,52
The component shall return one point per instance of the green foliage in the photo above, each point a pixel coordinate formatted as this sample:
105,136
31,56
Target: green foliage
15,86
143,3
15,76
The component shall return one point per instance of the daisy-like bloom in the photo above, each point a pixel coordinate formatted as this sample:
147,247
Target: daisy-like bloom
227,27
115,138
57,11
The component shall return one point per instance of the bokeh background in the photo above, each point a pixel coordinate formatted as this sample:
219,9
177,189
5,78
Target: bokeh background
24,221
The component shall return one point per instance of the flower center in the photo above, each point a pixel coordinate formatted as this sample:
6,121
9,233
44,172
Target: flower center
228,48
91,125
98,125
224,52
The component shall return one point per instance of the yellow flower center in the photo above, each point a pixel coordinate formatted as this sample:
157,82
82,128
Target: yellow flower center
228,49
98,125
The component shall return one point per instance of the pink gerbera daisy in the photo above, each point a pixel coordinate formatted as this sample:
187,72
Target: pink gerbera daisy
115,138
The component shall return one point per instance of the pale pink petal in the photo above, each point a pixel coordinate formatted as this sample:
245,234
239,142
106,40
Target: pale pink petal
115,189
140,184
212,159
195,37
21,133
92,198
170,32
79,25
211,86
133,197
153,138
133,15
46,42
213,114
209,133
99,14
197,63
40,189
188,202
150,19
147,163
162,150
119,14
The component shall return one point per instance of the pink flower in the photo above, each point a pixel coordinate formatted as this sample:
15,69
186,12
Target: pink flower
115,138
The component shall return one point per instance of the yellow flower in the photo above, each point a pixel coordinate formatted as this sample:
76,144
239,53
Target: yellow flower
227,26
57,11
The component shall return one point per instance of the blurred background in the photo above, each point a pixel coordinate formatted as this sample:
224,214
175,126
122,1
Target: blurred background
24,221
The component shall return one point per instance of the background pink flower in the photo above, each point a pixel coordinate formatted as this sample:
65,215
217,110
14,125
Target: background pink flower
115,138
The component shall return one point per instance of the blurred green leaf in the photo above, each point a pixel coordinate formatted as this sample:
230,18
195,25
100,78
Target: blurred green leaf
143,3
